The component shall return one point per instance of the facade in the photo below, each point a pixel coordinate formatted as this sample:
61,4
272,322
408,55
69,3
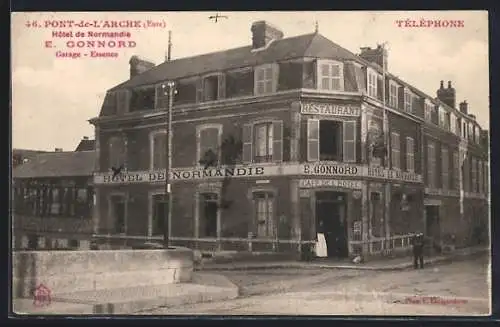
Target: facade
53,200
300,136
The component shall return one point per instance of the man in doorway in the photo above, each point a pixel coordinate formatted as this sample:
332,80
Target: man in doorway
418,250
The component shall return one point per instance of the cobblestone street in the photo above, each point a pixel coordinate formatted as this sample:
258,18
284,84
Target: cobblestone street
341,291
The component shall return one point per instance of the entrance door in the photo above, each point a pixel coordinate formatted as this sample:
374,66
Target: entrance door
208,215
331,219
432,225
118,213
159,214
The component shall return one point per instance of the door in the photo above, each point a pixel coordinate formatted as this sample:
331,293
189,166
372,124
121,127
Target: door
159,214
118,214
331,219
208,215
432,226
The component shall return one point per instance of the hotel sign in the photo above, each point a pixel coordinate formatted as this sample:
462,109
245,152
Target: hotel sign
328,109
397,175
314,183
185,174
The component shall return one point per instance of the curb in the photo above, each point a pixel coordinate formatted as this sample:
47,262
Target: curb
299,265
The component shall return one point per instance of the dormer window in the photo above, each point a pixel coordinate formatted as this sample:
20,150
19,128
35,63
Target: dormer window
265,79
393,94
372,83
428,110
408,101
143,98
330,75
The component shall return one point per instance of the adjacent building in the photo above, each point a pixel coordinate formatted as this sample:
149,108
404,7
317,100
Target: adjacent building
53,198
283,138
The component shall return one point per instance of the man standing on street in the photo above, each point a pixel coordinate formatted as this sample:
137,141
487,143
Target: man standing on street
418,250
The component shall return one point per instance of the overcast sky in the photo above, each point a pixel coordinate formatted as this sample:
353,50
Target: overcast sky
52,98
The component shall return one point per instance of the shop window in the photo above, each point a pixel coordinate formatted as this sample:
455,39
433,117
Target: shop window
208,212
118,213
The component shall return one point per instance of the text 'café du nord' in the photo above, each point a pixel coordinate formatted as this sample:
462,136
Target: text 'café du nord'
304,169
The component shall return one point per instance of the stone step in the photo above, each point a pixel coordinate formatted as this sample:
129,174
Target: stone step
134,299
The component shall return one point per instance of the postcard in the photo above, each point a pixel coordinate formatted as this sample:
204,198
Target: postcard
251,163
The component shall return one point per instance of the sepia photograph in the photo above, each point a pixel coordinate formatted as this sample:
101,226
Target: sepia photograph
326,163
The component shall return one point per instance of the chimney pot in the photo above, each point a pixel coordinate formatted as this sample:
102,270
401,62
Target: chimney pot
85,137
449,84
464,107
442,85
58,149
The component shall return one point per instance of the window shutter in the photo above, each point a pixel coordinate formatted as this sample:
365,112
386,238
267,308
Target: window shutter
222,86
278,141
312,139
276,74
199,90
247,143
349,136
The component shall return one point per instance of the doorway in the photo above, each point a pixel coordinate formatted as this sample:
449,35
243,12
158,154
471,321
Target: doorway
160,206
118,213
331,221
208,214
432,229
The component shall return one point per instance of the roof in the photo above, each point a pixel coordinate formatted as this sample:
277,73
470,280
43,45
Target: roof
57,164
307,45
86,145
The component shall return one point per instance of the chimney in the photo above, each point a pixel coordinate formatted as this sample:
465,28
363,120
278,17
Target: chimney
85,138
169,50
464,107
58,150
447,95
139,66
378,56
263,33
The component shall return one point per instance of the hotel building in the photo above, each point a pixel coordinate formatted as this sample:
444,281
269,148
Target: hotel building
304,136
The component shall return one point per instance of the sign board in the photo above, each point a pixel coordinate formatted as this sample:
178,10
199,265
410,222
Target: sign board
329,109
259,171
313,183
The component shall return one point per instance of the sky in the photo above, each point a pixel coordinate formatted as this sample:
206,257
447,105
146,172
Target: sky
53,98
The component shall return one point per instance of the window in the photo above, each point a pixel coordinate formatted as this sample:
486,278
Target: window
428,111
445,168
265,79
187,91
209,138
116,152
118,213
331,140
473,187
442,118
239,83
456,171
158,148
208,212
213,86
410,154
470,132
453,124
264,214
331,76
55,205
476,134
263,142
393,94
408,101
372,84
142,99
431,165
464,130
395,151
480,179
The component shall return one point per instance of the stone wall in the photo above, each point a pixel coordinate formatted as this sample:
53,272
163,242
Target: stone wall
65,272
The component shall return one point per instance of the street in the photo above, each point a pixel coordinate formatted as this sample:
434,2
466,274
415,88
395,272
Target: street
458,288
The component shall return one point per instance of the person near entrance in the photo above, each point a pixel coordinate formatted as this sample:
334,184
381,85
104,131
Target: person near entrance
418,250
320,248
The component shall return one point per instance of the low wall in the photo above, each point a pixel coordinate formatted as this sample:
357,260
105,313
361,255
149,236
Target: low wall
75,271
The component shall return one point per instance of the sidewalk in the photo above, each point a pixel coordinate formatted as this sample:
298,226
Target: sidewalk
388,264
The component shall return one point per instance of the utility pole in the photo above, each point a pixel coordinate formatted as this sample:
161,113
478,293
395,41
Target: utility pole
168,189
387,156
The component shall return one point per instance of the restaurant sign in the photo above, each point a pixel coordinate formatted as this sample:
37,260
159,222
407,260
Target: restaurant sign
329,109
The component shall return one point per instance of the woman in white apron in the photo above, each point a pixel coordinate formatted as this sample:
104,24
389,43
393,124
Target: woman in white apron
320,247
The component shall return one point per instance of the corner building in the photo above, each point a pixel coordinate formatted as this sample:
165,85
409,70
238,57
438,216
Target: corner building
305,118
